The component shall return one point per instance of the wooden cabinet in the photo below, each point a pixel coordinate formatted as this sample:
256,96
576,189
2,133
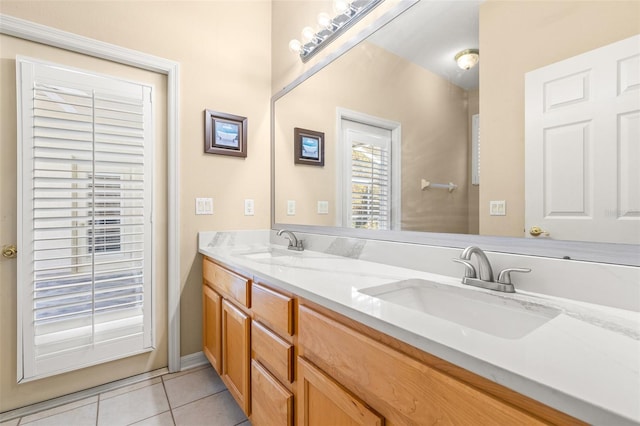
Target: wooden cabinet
276,351
226,328
211,327
271,402
236,328
322,401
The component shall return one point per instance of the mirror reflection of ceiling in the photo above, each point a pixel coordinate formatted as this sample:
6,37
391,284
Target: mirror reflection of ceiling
432,34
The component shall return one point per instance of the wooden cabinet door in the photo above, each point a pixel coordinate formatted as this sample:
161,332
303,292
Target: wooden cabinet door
211,328
321,401
236,351
271,403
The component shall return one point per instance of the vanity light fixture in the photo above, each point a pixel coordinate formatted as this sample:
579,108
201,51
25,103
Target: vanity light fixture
468,58
348,12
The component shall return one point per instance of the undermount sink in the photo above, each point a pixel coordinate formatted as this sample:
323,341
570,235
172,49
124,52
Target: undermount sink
497,315
262,253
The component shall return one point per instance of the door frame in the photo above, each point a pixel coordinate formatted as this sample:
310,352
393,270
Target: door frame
49,36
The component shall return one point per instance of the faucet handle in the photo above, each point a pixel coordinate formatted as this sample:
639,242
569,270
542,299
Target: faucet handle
504,277
469,269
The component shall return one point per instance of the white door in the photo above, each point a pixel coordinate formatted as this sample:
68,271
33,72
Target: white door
582,146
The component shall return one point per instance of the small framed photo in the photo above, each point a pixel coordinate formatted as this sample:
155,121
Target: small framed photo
309,147
225,134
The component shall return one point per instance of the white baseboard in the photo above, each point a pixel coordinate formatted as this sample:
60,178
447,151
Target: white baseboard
193,360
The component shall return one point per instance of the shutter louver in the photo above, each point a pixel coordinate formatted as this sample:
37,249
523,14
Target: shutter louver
370,184
90,222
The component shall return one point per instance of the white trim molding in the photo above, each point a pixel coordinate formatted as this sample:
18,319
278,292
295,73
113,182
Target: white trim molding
31,31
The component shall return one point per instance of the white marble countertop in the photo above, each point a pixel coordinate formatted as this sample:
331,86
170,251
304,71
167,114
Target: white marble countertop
584,361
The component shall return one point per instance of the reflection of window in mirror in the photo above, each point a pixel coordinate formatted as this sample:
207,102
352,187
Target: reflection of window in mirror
368,170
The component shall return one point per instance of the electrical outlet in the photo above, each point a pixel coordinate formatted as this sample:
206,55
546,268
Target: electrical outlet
249,207
291,207
323,207
497,208
204,205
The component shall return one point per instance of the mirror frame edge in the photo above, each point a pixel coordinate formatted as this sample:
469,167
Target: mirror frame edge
610,253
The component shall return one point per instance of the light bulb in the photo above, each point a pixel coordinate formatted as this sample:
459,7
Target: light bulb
307,34
295,46
324,20
341,6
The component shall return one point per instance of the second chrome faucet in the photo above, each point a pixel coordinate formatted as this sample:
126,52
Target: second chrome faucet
294,242
485,277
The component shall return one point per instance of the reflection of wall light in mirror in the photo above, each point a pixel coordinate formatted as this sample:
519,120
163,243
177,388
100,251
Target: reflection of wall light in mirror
347,14
341,6
468,58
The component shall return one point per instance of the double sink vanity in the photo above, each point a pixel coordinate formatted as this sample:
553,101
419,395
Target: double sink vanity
324,336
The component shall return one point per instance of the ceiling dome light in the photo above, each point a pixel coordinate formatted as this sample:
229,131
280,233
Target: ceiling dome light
468,58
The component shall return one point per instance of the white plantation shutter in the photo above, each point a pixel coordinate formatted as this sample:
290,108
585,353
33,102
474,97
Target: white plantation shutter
85,202
370,186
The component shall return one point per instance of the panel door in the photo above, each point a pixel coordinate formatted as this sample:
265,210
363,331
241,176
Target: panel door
582,146
322,401
211,327
236,348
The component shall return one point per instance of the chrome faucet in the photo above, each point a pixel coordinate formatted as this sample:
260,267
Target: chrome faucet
294,243
486,272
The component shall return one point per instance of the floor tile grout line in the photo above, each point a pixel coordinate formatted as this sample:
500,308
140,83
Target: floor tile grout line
166,394
98,409
201,398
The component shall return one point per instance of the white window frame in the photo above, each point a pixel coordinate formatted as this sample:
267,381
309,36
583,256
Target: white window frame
343,161
29,368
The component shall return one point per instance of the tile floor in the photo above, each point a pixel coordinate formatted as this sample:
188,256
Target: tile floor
190,398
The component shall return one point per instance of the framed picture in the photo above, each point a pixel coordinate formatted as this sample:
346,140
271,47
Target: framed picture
225,134
309,147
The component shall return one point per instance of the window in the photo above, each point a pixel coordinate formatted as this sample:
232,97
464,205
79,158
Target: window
369,172
85,184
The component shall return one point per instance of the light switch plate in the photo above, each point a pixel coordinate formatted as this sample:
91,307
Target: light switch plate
249,207
323,207
291,207
498,208
204,205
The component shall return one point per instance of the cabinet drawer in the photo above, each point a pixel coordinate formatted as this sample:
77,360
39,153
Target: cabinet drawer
271,403
276,354
273,309
226,282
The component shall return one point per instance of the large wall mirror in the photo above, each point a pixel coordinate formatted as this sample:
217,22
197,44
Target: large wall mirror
418,149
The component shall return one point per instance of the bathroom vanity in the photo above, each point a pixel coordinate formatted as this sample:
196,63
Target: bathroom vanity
314,338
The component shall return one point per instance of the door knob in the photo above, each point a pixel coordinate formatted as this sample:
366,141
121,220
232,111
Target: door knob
536,231
10,251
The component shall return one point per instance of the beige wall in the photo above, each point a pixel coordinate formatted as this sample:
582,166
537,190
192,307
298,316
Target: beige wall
517,37
223,48
432,112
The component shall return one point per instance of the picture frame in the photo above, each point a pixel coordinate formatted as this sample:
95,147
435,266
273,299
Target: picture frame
225,134
308,147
